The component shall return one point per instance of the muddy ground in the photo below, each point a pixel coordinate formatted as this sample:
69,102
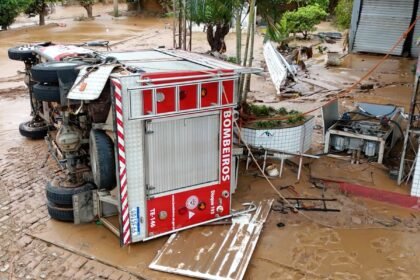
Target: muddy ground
366,240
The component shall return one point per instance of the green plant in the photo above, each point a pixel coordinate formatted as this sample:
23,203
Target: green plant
294,112
321,49
343,13
261,110
232,59
322,3
278,32
295,118
282,111
268,124
38,7
216,15
9,10
304,19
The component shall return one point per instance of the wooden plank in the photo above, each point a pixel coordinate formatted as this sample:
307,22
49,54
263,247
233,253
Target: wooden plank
214,252
319,84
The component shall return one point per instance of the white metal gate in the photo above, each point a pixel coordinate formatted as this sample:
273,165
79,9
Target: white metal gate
380,25
182,152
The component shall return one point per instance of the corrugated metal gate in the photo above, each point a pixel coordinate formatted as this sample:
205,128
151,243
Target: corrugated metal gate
182,153
416,35
381,23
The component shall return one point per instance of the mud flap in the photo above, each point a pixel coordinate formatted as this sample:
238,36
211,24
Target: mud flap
83,208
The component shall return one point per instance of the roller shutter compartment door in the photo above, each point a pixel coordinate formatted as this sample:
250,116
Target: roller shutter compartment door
381,23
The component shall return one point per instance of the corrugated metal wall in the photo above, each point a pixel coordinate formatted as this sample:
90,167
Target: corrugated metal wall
182,153
381,23
416,36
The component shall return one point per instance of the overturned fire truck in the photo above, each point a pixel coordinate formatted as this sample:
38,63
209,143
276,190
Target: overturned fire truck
145,136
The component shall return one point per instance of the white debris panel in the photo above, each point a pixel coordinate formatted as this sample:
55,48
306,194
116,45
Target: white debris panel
214,252
277,66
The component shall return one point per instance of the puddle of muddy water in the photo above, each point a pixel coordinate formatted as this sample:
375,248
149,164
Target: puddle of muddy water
12,113
69,31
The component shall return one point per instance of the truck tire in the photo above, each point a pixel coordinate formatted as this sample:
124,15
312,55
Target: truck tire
46,93
102,159
33,130
22,53
60,213
48,72
64,195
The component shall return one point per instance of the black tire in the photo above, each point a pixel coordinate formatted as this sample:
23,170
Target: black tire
64,195
48,72
46,93
60,213
22,53
102,159
33,130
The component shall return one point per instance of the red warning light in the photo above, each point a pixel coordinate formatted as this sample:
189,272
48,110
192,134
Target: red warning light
201,206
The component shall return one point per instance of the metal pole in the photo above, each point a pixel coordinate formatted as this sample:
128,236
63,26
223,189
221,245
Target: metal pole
408,129
300,167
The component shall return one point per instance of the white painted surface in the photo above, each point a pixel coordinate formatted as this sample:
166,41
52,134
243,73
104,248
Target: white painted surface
275,65
296,139
415,187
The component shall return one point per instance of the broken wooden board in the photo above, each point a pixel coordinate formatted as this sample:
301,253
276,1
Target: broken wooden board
219,252
319,84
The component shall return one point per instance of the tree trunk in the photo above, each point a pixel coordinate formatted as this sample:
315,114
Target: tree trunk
190,32
248,36
179,25
42,18
184,25
332,5
216,38
116,13
238,35
174,24
251,49
4,27
89,10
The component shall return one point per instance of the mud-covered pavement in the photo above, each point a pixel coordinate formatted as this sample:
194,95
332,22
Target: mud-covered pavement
366,240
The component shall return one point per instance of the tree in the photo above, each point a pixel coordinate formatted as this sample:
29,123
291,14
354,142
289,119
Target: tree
38,7
9,10
279,33
343,13
324,4
88,5
304,19
217,16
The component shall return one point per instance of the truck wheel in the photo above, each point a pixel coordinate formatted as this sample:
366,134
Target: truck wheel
60,213
48,72
64,195
102,159
33,130
22,53
46,93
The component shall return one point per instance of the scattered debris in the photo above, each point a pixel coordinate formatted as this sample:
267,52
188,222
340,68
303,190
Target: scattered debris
280,225
299,204
277,66
223,254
